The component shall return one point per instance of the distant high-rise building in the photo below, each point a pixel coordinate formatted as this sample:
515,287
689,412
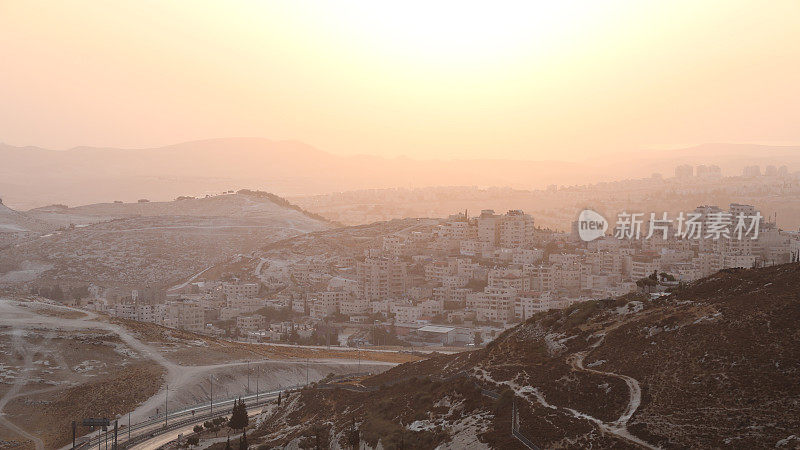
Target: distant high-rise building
751,171
771,171
684,171
783,171
708,172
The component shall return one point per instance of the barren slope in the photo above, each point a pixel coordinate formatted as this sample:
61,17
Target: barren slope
715,364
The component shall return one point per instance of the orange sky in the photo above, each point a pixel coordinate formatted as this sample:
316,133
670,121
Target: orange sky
528,80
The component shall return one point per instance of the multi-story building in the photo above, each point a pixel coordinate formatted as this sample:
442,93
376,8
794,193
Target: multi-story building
381,278
525,256
247,324
530,303
184,316
642,266
543,278
407,314
240,289
516,229
495,305
355,306
509,279
488,227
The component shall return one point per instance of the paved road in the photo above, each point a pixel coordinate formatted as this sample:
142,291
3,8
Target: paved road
160,430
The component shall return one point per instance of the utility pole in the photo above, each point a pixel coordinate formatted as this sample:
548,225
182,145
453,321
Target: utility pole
306,370
212,394
248,376
166,407
116,428
258,375
74,426
129,426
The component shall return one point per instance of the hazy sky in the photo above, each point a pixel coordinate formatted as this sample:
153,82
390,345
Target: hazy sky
532,80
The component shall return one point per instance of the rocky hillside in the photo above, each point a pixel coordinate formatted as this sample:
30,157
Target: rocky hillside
15,222
129,244
715,364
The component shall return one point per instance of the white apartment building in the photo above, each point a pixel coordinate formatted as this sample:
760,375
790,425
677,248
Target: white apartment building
516,229
496,305
455,295
247,324
509,279
643,266
543,278
530,303
488,227
245,304
475,247
355,306
525,256
457,230
407,314
431,307
392,245
381,278
321,309
240,289
184,316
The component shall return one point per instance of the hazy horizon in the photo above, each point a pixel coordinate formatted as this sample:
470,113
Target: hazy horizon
518,81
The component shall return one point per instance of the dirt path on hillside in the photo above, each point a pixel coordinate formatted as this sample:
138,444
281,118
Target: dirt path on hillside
617,428
620,426
634,390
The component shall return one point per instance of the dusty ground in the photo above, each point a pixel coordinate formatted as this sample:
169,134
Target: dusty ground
189,349
59,365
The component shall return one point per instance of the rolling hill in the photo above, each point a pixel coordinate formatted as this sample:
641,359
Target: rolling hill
150,243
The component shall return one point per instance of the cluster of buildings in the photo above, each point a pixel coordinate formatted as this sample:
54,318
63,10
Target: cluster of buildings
457,282
713,172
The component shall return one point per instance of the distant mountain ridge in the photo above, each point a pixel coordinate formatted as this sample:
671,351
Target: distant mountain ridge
32,176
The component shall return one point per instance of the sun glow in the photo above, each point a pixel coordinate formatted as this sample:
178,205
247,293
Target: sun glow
449,32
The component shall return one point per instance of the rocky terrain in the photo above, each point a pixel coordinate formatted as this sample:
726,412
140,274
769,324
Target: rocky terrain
152,243
714,364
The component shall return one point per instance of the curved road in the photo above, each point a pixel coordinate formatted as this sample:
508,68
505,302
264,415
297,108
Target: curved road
19,318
